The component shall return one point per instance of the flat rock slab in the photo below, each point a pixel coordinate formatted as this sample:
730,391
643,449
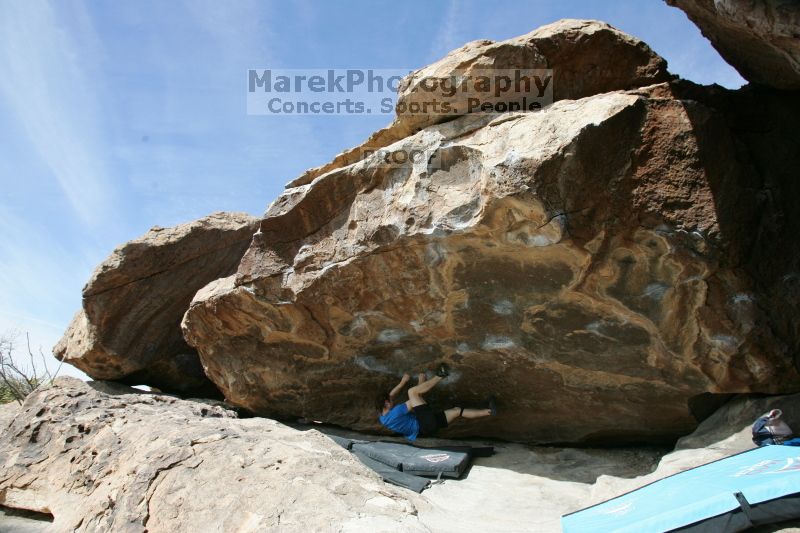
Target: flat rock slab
103,457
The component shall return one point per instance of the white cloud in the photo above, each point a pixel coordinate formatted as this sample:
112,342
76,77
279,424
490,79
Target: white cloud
45,83
450,36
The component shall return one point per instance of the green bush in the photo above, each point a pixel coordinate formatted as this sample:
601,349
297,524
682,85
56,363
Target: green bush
18,387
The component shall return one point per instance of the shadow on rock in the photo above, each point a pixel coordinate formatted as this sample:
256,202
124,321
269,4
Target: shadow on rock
578,465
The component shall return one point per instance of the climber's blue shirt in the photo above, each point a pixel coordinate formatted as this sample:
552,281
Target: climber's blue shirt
400,420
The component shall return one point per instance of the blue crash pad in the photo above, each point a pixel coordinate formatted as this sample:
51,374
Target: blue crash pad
728,493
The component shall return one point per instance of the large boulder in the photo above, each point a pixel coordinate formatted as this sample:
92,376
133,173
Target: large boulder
586,57
103,457
591,263
761,39
129,326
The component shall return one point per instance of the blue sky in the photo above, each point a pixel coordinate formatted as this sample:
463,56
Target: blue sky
118,116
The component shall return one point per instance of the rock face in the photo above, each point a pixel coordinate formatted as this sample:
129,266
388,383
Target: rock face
129,327
579,52
586,263
7,413
760,39
763,126
103,457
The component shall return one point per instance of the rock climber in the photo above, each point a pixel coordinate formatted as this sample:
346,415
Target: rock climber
770,429
415,418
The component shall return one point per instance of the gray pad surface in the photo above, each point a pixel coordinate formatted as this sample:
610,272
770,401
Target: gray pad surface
429,462
390,475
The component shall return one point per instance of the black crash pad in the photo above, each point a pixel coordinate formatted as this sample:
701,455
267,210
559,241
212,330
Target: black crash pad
344,442
404,464
429,462
390,475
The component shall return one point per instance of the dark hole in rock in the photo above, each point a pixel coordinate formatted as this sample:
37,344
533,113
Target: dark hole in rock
703,405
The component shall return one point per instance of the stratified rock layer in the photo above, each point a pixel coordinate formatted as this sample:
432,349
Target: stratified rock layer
590,264
761,39
129,327
103,457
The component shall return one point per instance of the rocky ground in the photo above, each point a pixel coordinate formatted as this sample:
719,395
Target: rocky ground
100,456
525,488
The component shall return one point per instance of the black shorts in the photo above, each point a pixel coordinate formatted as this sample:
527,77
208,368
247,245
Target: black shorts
430,421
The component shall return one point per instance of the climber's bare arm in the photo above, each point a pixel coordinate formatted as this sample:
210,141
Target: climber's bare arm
399,387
